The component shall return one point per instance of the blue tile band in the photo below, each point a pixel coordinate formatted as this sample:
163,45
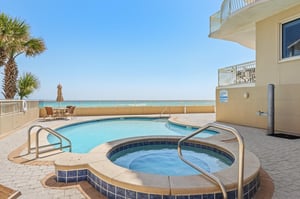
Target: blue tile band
112,192
127,146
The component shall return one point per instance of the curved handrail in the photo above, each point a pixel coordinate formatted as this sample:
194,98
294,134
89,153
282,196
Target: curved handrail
209,176
51,131
56,134
60,135
29,136
37,152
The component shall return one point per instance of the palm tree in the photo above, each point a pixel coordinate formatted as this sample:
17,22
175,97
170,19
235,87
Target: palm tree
10,30
15,40
27,84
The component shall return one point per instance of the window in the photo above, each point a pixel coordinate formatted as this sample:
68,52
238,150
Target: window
291,39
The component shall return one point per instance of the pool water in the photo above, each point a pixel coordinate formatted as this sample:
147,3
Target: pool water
164,160
85,136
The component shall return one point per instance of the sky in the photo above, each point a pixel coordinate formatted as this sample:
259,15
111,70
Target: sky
124,49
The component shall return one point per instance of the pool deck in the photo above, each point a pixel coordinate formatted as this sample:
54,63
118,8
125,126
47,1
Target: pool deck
279,158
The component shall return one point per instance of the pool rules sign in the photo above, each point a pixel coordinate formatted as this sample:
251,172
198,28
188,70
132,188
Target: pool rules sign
223,96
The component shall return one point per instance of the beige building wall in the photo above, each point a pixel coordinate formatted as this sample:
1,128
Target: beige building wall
269,66
242,105
284,74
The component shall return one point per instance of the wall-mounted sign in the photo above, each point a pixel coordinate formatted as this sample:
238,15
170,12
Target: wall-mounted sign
223,96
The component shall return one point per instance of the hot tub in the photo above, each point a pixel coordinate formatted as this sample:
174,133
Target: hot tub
114,181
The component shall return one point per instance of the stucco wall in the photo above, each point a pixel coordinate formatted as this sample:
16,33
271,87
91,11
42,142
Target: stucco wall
95,111
243,111
284,74
287,104
269,66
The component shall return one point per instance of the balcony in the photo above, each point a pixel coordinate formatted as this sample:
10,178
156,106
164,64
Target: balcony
236,19
237,75
227,9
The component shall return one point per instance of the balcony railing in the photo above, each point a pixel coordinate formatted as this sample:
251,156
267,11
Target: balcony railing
228,8
241,74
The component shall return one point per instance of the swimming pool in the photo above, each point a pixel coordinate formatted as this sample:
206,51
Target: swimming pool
87,135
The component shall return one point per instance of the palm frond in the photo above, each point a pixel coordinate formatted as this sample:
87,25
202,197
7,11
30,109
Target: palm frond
27,83
34,47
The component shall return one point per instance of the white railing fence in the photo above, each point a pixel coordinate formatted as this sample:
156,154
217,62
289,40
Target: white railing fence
228,7
16,106
238,74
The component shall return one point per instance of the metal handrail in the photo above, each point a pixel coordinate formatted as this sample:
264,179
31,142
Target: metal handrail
56,134
29,137
209,176
52,132
37,151
60,135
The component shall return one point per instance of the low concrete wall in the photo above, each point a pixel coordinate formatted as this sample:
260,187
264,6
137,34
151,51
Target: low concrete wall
242,104
137,110
11,121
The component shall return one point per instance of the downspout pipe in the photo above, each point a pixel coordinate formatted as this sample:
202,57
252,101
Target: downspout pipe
271,109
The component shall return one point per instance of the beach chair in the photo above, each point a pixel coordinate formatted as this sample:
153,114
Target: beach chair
70,111
50,114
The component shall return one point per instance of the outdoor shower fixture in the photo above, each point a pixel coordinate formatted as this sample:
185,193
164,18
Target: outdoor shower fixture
271,109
